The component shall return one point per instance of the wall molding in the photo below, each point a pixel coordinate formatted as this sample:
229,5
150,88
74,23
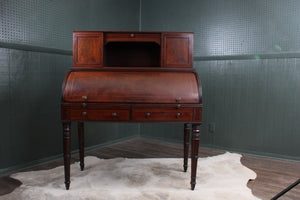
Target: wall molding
33,48
263,56
249,56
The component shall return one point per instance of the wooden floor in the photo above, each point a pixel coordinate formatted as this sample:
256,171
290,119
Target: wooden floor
272,175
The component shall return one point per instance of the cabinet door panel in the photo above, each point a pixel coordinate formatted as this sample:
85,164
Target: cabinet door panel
88,49
177,50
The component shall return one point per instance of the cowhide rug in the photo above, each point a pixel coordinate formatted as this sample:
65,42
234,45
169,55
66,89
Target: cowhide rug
218,178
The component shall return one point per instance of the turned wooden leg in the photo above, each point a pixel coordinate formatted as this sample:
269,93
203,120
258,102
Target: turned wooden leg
195,149
186,146
81,144
67,154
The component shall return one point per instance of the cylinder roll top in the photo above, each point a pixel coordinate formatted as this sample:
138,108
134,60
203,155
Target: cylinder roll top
131,87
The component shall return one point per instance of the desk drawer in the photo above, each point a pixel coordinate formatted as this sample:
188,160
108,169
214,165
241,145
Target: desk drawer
162,114
100,115
132,37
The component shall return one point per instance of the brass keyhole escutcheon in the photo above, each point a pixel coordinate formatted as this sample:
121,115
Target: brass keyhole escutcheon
84,97
178,99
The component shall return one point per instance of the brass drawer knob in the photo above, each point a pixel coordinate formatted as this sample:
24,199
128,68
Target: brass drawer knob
178,99
148,115
132,35
114,114
178,115
84,97
83,105
178,106
84,113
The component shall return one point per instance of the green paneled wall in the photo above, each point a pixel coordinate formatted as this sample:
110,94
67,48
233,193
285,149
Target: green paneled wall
30,105
231,27
253,104
35,54
247,54
49,23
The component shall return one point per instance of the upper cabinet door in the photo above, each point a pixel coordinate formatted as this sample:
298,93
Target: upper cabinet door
177,50
88,49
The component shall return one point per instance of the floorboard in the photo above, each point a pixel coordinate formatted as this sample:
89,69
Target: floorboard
273,175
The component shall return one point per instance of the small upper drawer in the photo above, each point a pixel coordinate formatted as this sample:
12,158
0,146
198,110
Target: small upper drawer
132,37
162,114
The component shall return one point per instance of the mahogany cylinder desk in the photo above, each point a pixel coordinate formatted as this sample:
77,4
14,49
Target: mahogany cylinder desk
132,77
